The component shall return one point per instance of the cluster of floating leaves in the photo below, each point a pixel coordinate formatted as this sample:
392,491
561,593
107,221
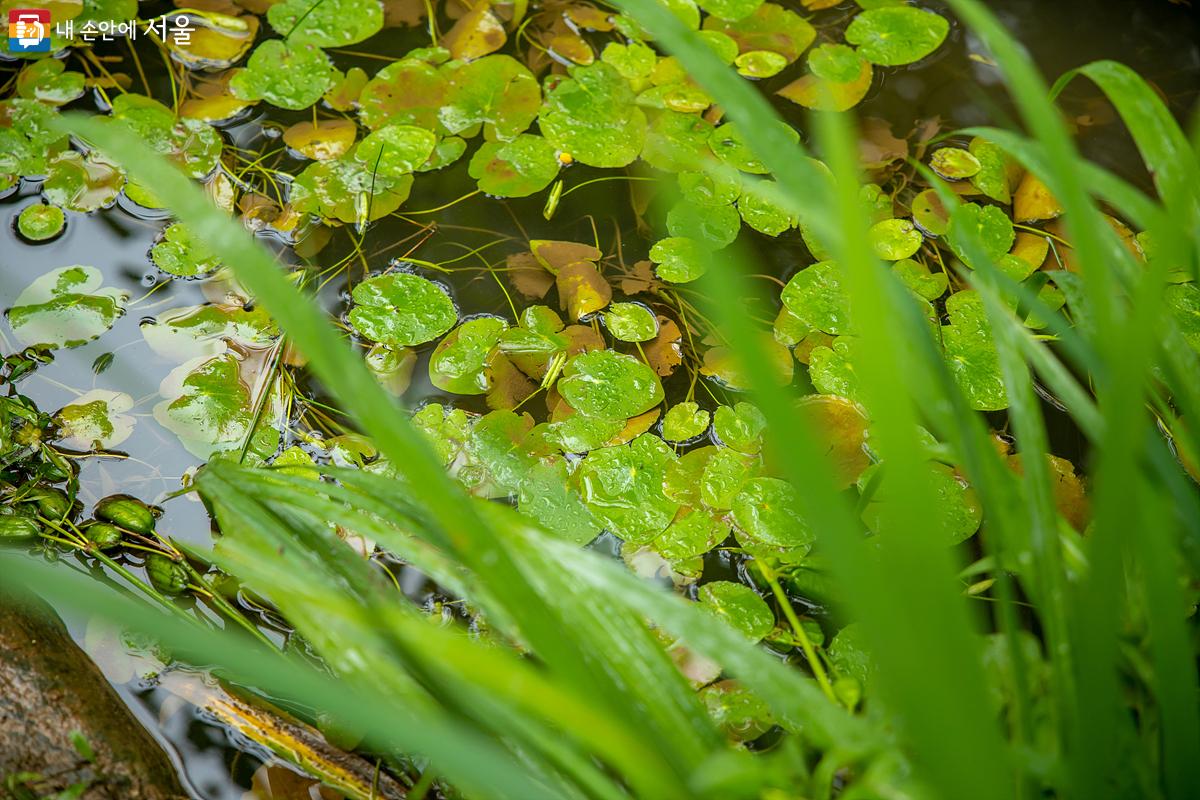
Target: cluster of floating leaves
581,432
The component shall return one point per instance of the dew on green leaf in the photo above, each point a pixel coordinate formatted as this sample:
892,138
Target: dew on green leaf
400,309
179,253
954,163
622,486
609,385
766,512
518,168
684,421
679,259
894,239
740,606
816,296
459,363
290,75
892,36
631,322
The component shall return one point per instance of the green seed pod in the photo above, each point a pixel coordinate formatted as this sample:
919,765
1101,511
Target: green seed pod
166,575
127,512
103,535
16,528
53,503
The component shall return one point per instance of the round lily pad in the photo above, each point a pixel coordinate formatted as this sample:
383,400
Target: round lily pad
400,309
894,239
690,535
740,427
345,189
740,606
971,353
730,9
194,145
95,419
760,211
207,406
80,183
634,60
995,170
496,91
622,486
954,163
769,27
609,385
518,168
714,227
835,62
408,92
676,141
684,421
730,146
395,150
709,188
66,307
895,35
40,222
460,361
929,214
740,714
722,478
990,226
329,138
179,253
291,75
760,64
191,332
631,322
679,259
592,116
816,295
326,23
767,512
916,276
48,81
822,94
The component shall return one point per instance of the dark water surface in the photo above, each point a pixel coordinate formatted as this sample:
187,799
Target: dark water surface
1158,38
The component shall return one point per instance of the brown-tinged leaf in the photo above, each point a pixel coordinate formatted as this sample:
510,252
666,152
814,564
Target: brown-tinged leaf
635,427
582,339
328,139
509,386
403,13
1070,496
582,290
639,279
1031,248
841,426
814,339
527,275
721,363
589,17
665,352
821,95
1033,201
343,95
573,47
554,255
476,34
877,145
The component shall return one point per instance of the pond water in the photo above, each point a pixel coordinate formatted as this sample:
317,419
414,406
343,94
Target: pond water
1159,39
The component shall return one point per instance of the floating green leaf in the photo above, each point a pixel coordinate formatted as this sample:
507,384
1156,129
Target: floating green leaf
81,183
95,420
495,91
916,276
291,75
684,421
971,353
690,535
400,309
770,27
995,168
518,168
894,239
954,163
724,474
622,486
408,92
609,385
179,253
194,145
48,81
206,405
713,227
394,151
816,296
892,36
676,141
40,222
761,212
988,224
192,332
326,23
831,369
346,190
679,259
958,506
631,322
740,427
591,115
767,512
740,606
66,308
459,363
